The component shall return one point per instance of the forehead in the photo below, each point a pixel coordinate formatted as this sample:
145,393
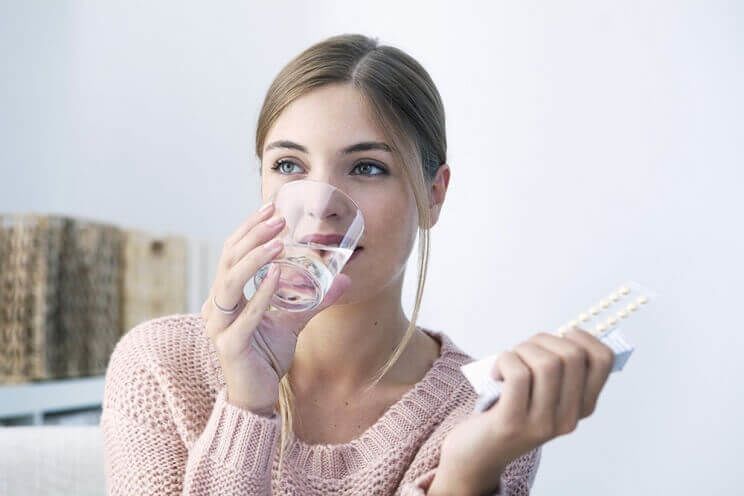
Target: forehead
329,117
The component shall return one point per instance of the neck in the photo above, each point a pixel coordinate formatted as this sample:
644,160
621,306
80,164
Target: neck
345,345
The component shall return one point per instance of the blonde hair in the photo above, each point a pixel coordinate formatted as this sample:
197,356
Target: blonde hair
407,107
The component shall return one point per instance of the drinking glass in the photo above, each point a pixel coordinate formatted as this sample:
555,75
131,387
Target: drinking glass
322,229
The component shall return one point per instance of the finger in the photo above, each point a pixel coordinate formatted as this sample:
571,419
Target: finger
547,377
261,233
515,390
242,329
571,397
600,358
238,276
249,224
218,321
231,282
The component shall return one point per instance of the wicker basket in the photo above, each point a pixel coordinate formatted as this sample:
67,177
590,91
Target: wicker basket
90,282
59,310
69,288
155,282
26,307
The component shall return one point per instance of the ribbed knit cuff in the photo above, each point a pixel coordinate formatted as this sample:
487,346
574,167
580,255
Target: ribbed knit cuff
420,486
241,439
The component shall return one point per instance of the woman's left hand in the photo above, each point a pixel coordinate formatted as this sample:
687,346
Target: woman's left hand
549,383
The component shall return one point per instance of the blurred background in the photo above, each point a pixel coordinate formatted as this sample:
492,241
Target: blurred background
590,143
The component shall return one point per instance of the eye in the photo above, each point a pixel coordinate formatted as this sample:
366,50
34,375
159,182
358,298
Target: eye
279,165
365,167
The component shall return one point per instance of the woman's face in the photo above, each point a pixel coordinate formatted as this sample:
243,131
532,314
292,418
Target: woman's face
324,123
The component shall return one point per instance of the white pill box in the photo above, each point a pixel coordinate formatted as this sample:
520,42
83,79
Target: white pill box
602,319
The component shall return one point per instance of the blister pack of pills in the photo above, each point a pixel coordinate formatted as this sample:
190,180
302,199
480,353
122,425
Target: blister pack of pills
603,319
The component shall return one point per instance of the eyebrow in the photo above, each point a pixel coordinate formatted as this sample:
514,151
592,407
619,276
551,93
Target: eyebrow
359,147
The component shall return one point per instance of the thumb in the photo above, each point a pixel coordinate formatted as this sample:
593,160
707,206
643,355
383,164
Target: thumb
340,284
338,287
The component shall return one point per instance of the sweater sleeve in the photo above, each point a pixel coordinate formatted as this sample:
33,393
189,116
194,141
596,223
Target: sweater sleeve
144,453
516,480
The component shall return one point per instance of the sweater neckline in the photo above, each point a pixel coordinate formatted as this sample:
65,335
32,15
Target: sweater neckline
407,416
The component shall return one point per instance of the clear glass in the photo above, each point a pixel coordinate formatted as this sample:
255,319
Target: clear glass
323,227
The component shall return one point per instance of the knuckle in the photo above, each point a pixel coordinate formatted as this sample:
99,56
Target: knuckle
521,348
568,426
578,331
550,365
589,408
576,355
585,333
230,258
501,359
224,260
523,376
228,282
607,356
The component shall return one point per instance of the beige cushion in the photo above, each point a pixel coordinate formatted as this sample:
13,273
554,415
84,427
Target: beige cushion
48,460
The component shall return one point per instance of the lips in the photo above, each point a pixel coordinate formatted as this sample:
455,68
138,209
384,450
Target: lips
324,239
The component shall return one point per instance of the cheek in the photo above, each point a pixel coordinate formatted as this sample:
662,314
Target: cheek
395,233
270,184
390,234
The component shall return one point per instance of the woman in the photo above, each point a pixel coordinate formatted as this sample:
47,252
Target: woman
351,397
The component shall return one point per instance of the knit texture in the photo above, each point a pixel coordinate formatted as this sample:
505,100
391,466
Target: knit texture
168,429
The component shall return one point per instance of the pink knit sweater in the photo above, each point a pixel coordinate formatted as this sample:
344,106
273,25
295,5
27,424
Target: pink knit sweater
168,430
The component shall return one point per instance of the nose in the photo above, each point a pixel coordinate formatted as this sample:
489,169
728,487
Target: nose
326,203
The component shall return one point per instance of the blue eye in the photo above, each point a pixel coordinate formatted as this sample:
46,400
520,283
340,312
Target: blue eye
362,166
370,164
280,163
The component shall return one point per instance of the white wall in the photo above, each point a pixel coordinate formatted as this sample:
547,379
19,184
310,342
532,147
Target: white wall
590,143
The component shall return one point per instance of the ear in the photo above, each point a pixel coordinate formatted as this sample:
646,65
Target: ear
437,192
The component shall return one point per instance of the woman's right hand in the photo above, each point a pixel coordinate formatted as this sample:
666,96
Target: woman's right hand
256,346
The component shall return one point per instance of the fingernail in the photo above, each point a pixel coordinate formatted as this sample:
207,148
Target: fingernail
274,245
265,207
274,222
